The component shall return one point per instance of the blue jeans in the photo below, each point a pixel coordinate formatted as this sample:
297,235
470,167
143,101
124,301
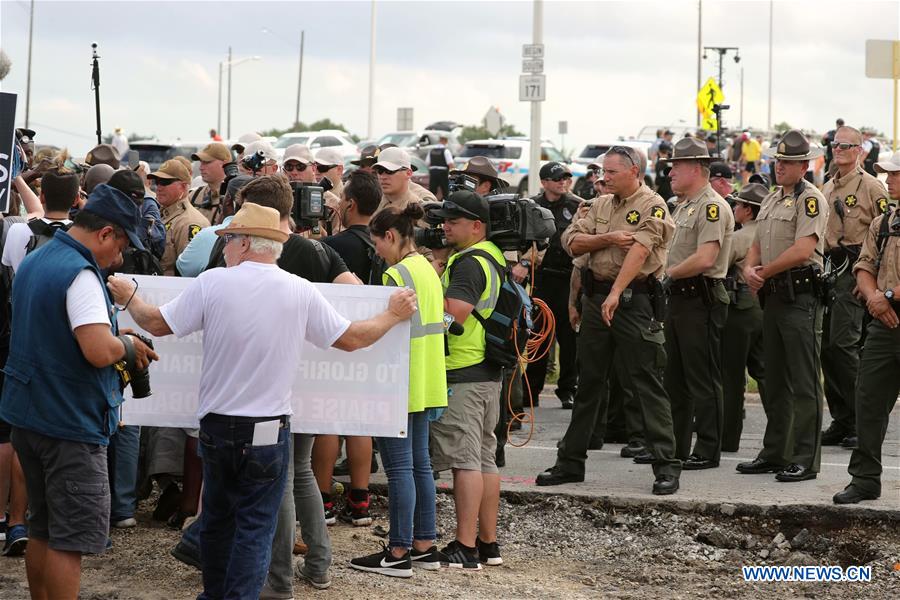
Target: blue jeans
122,463
410,483
242,489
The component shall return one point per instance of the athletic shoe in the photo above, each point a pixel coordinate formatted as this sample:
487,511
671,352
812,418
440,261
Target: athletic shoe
320,582
356,513
267,593
457,556
430,559
16,541
330,513
488,553
3,527
126,523
385,563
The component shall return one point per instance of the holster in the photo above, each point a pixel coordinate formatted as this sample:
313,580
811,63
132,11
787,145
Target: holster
587,281
659,299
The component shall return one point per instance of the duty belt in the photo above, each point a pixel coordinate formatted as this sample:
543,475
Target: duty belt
802,280
693,286
605,287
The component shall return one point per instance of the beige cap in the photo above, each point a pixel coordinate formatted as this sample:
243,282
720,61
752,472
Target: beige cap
889,166
262,146
329,157
299,153
394,159
213,151
172,169
244,140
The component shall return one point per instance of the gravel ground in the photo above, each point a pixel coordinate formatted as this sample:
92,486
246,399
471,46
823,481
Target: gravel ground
555,547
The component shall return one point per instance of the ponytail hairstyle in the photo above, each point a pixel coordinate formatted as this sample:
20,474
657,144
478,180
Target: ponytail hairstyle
404,221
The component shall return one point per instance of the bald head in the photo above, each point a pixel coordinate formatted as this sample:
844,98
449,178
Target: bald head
849,134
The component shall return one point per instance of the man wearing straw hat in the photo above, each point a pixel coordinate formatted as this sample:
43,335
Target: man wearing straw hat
256,319
783,266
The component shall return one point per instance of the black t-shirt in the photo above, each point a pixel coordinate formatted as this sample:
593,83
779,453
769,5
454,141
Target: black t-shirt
305,258
555,258
355,252
467,283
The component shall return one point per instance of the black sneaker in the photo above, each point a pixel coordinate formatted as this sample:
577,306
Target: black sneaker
457,556
430,559
384,563
488,553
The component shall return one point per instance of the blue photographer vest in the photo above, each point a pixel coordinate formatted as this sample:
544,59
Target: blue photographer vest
50,387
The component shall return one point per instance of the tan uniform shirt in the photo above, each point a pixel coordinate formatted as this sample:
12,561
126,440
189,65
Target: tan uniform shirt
643,213
209,197
861,198
698,220
888,274
399,201
740,245
421,193
183,222
788,215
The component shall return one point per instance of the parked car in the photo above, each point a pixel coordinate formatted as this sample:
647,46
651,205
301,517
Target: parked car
327,138
591,151
156,152
510,157
420,143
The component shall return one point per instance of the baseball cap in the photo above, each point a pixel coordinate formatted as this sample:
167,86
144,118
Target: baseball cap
299,153
262,146
130,183
103,154
113,205
95,176
394,159
244,140
466,205
367,156
213,151
889,166
554,171
720,169
329,157
172,169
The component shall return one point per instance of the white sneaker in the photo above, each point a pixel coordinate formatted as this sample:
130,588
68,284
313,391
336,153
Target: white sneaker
125,523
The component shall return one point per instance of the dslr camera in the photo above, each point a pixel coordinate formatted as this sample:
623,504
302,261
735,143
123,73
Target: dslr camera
139,379
433,235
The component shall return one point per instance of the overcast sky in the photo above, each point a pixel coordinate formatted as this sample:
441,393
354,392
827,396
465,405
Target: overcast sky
611,66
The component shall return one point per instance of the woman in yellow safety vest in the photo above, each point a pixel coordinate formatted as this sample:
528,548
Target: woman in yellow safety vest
411,492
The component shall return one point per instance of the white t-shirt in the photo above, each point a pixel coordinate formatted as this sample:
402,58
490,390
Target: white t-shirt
17,239
86,301
255,319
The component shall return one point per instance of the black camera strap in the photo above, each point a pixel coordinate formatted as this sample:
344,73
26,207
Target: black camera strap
884,232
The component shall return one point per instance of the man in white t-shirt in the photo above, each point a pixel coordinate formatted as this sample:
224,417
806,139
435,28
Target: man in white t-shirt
256,319
59,191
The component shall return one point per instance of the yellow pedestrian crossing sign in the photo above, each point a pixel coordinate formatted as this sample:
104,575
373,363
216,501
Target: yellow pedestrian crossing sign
708,96
708,122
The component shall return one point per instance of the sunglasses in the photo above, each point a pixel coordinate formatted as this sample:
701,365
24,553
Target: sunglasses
562,177
623,151
288,167
322,168
231,236
843,145
382,171
165,182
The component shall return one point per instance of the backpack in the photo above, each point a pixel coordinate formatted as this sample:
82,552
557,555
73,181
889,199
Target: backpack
377,265
507,329
140,262
884,232
42,232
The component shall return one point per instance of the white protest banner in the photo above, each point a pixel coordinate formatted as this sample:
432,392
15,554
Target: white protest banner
347,393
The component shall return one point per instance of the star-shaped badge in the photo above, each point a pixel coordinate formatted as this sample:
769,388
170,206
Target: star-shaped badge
633,217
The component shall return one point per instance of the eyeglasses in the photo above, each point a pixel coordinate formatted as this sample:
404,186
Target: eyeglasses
383,171
623,151
843,145
561,177
456,208
292,166
322,168
231,236
165,182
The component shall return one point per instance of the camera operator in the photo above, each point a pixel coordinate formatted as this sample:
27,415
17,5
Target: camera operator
246,436
214,159
259,158
360,199
62,390
240,146
330,166
297,164
553,270
182,220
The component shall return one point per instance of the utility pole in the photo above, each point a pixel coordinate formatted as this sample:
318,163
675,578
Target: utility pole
369,132
699,48
219,104
229,94
534,162
28,78
771,20
299,83
742,98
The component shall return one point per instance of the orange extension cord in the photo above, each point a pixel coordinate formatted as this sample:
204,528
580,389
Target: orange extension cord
544,329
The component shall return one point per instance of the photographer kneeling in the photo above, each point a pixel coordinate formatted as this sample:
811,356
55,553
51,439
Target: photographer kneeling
62,387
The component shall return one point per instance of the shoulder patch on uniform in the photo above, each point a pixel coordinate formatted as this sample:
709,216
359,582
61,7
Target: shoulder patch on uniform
193,230
850,201
658,213
811,205
712,212
169,225
633,217
883,205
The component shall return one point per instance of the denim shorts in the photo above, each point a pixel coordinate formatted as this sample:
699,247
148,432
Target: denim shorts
68,491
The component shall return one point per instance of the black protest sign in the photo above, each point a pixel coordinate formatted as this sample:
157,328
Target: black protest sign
7,146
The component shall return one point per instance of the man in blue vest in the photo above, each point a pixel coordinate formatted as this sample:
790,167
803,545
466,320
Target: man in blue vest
62,389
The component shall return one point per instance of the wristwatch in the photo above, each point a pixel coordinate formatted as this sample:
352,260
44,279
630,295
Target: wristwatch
525,263
889,294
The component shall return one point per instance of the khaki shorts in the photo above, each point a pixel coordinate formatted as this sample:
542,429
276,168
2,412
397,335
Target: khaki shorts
463,438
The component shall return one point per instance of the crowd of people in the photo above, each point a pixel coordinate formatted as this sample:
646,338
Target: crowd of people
663,297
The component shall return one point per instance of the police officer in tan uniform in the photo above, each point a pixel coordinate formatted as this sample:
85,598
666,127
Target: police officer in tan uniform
394,171
855,199
330,165
878,275
783,265
695,275
742,342
626,238
207,198
182,220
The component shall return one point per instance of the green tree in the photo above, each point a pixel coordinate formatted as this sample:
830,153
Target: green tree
782,127
480,132
314,126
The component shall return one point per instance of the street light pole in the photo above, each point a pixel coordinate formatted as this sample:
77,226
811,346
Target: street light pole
219,103
722,51
229,93
369,133
769,113
699,48
299,82
28,78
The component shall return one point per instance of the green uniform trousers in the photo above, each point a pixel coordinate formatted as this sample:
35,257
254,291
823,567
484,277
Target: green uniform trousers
876,395
693,376
792,341
640,370
742,353
842,329
619,416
